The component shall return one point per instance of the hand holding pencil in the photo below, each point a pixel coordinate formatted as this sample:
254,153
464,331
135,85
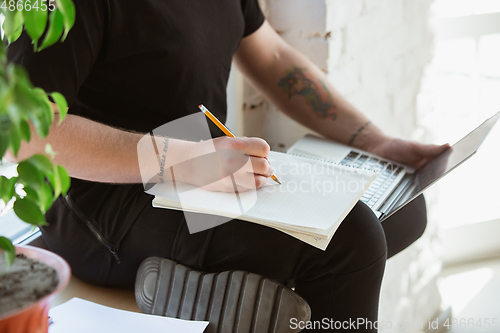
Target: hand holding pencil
224,129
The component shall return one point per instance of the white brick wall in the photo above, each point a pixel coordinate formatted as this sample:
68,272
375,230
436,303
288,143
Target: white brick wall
374,52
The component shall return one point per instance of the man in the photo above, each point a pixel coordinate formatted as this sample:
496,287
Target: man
129,67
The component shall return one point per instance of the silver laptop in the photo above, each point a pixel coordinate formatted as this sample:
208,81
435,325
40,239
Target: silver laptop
395,184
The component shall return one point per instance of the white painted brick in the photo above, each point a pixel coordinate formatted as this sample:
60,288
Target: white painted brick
287,14
369,5
315,48
346,79
335,48
417,10
341,11
357,37
284,129
405,99
395,74
373,73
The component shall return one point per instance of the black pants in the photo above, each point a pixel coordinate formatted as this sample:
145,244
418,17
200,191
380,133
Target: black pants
340,284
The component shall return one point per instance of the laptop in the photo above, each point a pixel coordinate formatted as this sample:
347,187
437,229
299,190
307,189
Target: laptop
396,184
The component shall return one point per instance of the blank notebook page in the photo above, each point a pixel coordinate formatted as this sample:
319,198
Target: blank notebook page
313,194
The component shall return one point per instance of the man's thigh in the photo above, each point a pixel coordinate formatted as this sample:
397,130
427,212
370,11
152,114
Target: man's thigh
233,245
241,245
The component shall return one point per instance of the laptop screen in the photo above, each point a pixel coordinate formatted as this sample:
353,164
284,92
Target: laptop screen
447,161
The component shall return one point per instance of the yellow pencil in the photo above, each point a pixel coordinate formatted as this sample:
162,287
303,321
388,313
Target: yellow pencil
224,129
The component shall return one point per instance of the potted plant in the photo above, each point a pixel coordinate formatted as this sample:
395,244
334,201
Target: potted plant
24,111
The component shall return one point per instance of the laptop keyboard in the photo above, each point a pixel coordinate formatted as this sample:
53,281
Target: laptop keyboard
386,174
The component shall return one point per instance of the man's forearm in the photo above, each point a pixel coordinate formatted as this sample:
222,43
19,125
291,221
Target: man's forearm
97,152
100,153
89,150
312,100
301,90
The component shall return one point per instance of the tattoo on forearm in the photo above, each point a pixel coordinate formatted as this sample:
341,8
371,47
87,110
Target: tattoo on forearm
163,158
353,137
298,83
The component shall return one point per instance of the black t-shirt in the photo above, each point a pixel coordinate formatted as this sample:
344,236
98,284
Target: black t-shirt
137,65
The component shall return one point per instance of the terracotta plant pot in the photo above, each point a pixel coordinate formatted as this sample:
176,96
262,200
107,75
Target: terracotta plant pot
34,318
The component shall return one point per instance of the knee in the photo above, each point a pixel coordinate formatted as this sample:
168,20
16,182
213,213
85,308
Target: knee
419,215
360,240
405,226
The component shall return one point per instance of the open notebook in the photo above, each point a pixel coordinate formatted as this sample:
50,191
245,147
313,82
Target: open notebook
313,199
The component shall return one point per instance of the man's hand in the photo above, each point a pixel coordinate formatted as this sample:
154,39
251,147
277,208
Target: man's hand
410,153
237,162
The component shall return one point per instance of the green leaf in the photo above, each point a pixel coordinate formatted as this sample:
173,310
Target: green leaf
15,140
30,174
41,120
36,123
37,91
15,36
25,130
46,114
64,179
46,196
55,29
2,55
62,105
4,143
9,250
24,99
4,123
42,163
20,76
29,212
35,22
31,194
49,151
7,188
56,182
52,182
46,108
12,25
67,9
15,112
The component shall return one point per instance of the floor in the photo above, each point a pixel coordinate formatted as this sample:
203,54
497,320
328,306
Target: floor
473,291
116,298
